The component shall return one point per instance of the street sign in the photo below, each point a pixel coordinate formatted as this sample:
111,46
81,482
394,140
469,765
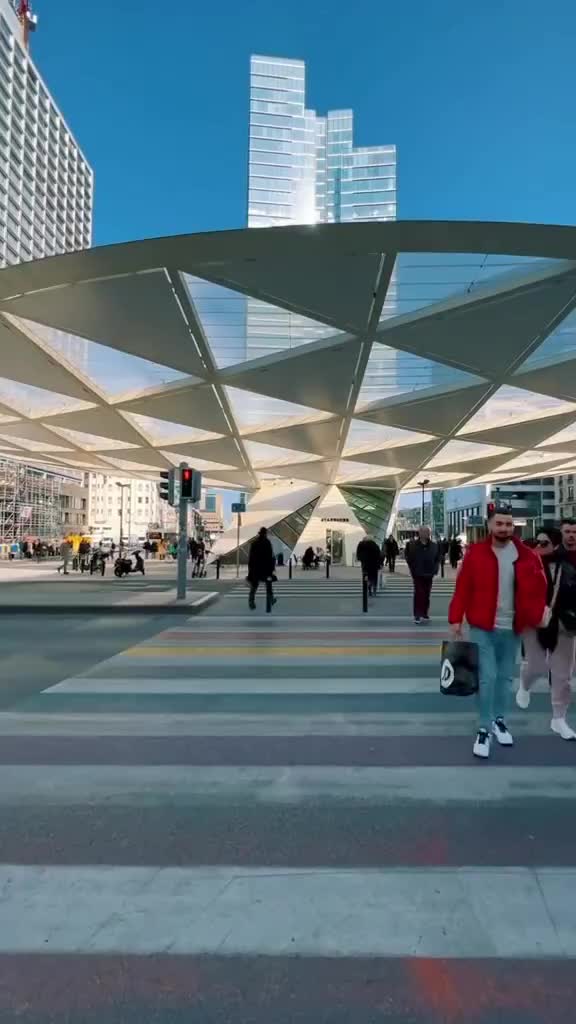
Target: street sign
238,507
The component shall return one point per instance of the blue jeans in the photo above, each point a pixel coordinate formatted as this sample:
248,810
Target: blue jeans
498,653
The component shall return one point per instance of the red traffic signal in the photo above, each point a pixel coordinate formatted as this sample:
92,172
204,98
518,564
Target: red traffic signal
190,484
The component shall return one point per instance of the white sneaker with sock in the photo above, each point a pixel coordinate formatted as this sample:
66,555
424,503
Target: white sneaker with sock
500,731
522,697
482,744
561,728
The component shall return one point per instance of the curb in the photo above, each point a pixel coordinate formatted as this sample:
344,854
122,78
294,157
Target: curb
178,608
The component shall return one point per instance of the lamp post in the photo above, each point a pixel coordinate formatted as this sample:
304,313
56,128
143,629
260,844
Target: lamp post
423,484
122,487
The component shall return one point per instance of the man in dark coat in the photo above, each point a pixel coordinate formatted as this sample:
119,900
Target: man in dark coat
423,558
261,565
370,557
391,551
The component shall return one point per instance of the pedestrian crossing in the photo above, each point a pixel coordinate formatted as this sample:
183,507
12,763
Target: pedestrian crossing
294,792
317,585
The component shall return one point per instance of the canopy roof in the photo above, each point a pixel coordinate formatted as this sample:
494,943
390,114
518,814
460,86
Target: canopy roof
353,354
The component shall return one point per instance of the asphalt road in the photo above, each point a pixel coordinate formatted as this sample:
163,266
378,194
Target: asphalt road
248,817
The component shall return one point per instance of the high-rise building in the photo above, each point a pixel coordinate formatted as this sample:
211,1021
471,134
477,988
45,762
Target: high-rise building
46,183
304,168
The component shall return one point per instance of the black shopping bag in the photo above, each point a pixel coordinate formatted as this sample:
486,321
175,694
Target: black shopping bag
459,668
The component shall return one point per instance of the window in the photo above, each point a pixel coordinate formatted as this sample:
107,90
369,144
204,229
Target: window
210,503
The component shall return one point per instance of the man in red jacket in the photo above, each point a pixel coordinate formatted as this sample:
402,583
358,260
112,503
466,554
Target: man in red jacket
500,591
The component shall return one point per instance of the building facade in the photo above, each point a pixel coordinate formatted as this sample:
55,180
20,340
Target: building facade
565,500
119,505
304,168
46,183
533,502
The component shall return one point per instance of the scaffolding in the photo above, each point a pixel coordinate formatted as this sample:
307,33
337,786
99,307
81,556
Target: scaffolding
30,502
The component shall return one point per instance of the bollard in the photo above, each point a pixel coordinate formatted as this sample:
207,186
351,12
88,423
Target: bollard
217,568
328,560
290,568
364,593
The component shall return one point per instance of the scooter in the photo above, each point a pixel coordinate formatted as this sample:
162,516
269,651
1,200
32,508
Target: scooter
123,565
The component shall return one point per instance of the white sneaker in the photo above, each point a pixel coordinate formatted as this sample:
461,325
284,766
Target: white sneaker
504,737
482,744
561,728
522,697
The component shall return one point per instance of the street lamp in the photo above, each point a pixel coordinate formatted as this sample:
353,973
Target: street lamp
122,488
423,484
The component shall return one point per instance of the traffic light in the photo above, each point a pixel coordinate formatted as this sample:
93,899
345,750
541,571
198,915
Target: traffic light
166,487
190,484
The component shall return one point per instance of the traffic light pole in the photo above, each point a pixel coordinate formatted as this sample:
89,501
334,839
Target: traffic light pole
182,544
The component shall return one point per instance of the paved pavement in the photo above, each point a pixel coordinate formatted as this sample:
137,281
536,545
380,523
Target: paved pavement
254,818
27,587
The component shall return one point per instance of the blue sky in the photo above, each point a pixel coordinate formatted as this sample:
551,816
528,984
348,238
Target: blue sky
479,99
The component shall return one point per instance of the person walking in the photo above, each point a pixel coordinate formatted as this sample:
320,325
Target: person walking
370,557
552,651
443,548
454,552
500,591
261,565
391,551
66,554
422,557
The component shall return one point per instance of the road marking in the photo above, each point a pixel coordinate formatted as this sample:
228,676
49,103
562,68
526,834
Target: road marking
462,912
168,785
83,684
152,651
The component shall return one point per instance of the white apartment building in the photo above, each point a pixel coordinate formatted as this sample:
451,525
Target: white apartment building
119,503
46,183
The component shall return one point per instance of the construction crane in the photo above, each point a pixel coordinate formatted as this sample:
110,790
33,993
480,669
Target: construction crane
27,19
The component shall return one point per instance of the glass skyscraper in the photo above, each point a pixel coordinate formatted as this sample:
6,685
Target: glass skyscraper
304,168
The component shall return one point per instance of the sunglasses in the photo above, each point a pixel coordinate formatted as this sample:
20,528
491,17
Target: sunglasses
544,543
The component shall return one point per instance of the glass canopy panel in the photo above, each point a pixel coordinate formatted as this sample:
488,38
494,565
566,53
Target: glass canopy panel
365,471
239,327
433,479
29,400
113,372
560,344
91,442
252,411
272,455
33,446
162,433
461,451
562,437
371,437
514,405
390,372
132,468
423,279
533,458
202,464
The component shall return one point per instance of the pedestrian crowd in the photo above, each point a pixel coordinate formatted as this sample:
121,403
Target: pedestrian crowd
514,596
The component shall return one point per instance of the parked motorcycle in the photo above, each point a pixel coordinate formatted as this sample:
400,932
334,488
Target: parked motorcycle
124,566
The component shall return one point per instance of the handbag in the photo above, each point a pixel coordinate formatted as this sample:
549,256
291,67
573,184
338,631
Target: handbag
459,673
548,634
